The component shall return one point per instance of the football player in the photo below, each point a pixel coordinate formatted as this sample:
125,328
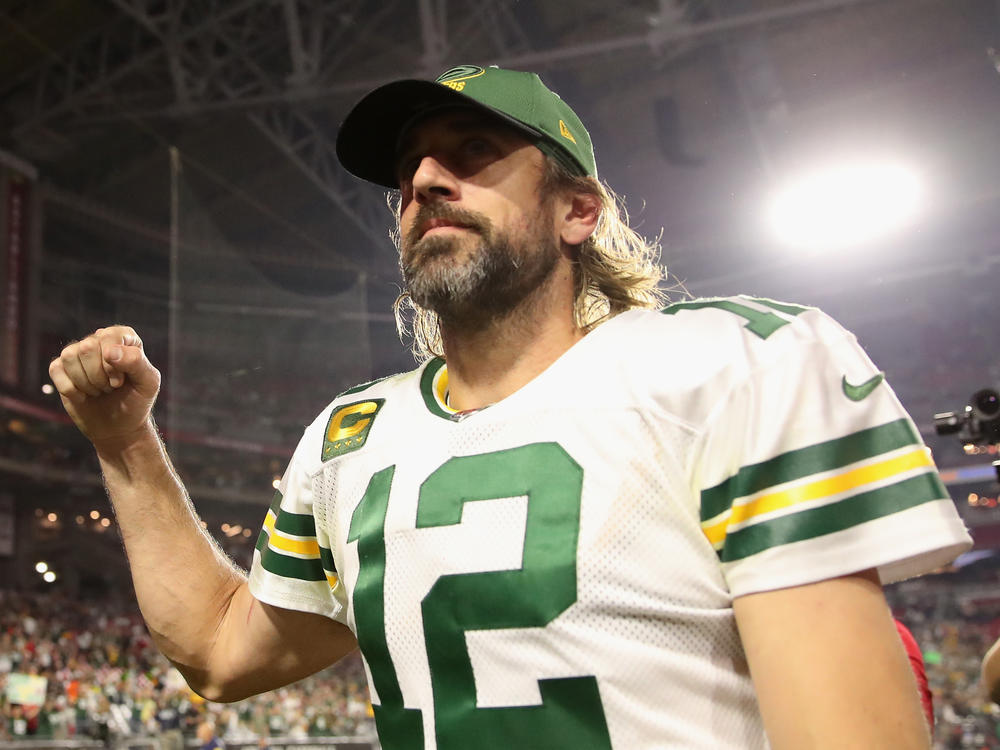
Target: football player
583,521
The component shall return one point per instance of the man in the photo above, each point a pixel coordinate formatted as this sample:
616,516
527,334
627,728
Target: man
207,739
587,524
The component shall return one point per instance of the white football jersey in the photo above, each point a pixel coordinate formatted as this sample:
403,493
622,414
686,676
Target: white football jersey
558,570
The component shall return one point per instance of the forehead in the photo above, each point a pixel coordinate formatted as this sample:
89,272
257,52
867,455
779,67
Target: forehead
452,122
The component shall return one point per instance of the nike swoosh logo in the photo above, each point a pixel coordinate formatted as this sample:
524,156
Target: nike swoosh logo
861,392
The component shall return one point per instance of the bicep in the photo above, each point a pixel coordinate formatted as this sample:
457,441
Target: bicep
828,666
261,647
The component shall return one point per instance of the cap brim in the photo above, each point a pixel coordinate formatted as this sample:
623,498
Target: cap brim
370,135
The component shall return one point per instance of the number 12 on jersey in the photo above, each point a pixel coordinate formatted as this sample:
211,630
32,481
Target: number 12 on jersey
570,714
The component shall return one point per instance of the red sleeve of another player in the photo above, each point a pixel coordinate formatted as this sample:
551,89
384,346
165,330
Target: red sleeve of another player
917,664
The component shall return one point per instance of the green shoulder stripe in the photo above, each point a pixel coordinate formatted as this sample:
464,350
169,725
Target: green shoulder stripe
291,567
363,386
813,459
763,324
827,519
785,307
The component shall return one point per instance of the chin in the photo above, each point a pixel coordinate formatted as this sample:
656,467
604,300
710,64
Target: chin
440,249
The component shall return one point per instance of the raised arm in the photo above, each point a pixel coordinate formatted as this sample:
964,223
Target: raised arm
829,668
194,599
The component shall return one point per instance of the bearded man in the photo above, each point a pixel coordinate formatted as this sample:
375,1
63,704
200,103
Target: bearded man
582,521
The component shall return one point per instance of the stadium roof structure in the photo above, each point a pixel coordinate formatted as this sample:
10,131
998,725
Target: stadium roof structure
696,107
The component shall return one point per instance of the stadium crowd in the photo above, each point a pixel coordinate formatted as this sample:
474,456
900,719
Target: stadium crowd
105,679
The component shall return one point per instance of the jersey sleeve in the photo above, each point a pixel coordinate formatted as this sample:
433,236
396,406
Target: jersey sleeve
810,468
293,564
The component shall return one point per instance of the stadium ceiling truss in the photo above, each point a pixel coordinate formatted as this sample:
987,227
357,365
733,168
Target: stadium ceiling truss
278,62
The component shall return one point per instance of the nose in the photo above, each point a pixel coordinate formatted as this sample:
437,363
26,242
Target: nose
433,181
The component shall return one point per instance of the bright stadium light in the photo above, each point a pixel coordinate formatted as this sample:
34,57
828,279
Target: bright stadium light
844,205
41,566
49,576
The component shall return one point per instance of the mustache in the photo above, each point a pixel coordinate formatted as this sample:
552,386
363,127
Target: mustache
441,212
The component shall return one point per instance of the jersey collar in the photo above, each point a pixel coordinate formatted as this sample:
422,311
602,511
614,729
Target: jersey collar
434,389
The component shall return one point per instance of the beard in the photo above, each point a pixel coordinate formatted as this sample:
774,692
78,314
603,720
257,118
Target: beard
501,269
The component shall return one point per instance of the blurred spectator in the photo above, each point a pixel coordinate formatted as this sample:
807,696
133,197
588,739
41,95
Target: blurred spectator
206,736
105,679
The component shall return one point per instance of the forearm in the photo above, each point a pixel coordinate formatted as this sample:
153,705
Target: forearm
196,603
183,582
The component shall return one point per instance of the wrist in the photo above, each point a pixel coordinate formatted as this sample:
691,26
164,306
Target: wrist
139,441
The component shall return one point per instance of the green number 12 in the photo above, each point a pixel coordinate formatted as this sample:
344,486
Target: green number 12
571,714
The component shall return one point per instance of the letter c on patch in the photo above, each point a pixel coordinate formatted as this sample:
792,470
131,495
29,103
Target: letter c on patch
354,417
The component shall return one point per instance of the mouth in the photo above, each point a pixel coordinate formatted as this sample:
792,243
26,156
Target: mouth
439,226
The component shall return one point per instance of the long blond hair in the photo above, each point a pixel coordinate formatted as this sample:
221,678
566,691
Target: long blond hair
615,269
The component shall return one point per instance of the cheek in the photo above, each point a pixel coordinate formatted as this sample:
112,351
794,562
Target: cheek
407,211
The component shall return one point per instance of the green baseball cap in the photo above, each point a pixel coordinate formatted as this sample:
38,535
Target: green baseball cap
369,138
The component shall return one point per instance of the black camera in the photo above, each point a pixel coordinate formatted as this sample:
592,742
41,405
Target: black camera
979,423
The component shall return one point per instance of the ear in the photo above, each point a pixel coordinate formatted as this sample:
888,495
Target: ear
579,219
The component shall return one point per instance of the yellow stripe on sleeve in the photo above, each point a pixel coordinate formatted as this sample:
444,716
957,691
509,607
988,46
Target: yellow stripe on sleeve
280,543
818,489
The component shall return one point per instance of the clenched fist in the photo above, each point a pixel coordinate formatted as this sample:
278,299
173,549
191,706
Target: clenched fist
106,383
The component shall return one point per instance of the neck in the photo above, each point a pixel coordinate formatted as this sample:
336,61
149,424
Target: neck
488,362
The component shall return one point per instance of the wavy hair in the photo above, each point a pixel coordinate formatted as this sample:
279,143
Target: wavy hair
615,269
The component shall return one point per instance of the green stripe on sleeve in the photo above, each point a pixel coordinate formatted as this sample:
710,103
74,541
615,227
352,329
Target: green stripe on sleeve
291,567
275,502
326,558
261,541
827,519
299,524
813,459
363,386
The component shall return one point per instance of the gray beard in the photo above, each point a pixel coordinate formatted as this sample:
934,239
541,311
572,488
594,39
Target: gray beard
497,278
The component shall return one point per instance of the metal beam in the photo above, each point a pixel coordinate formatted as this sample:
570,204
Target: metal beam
296,134
433,33
225,59
515,56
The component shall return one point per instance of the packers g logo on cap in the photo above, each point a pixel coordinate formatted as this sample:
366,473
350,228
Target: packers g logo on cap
456,77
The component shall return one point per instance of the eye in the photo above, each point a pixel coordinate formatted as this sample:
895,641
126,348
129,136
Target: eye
478,147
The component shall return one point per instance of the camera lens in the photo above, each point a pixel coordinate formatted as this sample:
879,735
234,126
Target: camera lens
986,403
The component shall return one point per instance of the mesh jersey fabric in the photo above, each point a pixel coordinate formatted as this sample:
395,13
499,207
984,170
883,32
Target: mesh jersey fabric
557,570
